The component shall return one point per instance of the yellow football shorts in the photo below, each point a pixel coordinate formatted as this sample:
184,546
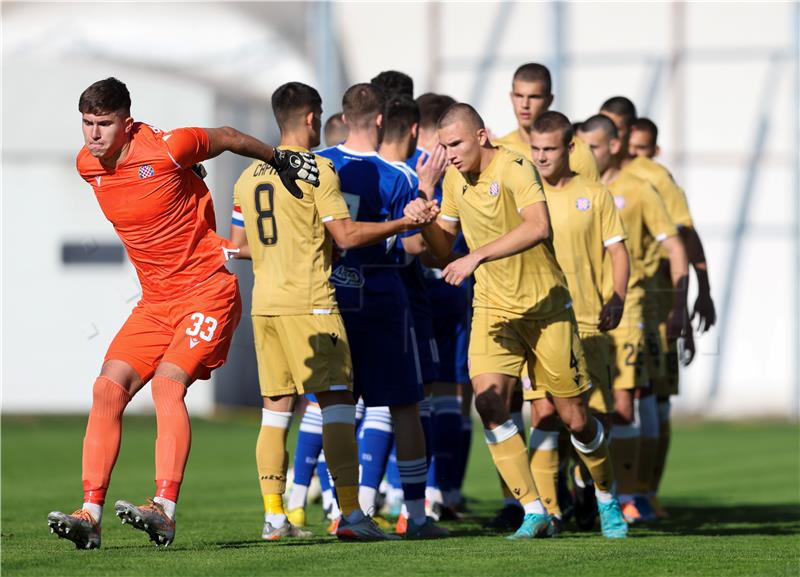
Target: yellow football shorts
666,382
502,343
628,350
302,354
598,366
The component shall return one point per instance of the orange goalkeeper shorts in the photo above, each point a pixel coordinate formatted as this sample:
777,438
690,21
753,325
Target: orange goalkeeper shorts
194,331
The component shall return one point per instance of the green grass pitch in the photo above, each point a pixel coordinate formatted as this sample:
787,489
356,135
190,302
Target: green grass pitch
733,491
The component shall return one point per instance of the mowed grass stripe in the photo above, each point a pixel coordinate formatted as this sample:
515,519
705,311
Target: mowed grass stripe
733,490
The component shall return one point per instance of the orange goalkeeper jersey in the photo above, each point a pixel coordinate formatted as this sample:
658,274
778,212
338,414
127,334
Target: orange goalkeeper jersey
161,210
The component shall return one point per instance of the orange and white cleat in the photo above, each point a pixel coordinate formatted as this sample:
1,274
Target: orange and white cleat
81,528
402,525
271,533
334,526
149,518
631,513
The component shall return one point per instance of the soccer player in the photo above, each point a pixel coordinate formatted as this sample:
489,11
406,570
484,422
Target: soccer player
586,227
394,83
648,222
371,295
182,327
452,420
531,95
521,304
400,125
643,142
335,130
301,343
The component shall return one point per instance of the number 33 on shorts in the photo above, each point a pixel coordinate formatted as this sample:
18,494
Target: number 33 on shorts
201,327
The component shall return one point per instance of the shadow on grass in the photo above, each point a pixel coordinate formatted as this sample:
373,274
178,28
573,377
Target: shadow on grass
725,520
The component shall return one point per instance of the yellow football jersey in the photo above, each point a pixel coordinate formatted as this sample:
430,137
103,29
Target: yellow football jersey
584,221
660,178
528,284
646,221
581,159
674,200
290,247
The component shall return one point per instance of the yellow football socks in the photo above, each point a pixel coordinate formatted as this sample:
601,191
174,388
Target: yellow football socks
511,459
271,457
544,459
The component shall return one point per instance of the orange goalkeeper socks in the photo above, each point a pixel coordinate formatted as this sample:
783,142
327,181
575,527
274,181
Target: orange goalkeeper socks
174,436
101,442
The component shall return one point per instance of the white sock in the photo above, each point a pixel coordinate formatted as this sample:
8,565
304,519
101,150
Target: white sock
366,499
327,497
534,507
96,511
416,511
297,497
277,520
603,496
335,512
433,495
169,506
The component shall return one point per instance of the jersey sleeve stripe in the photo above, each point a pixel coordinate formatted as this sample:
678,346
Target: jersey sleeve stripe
172,158
613,240
661,237
449,218
237,218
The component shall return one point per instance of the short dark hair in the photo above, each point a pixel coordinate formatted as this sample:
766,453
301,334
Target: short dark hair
552,121
105,97
400,113
431,107
293,99
620,106
393,83
535,72
361,103
461,111
600,122
646,125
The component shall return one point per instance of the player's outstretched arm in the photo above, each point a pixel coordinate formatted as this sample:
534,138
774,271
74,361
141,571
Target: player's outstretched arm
239,238
704,305
351,234
440,234
534,228
230,139
611,313
290,165
679,271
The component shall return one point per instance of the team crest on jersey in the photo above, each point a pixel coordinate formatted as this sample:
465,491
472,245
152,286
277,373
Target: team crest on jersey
583,204
620,202
494,188
146,171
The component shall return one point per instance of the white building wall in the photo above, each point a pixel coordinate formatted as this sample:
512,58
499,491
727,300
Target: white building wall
708,115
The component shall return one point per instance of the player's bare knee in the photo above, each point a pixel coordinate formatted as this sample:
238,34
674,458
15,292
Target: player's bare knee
330,398
443,389
280,403
174,372
623,413
491,406
123,374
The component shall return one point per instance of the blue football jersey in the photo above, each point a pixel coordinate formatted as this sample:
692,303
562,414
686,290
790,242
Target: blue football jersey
410,269
366,278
